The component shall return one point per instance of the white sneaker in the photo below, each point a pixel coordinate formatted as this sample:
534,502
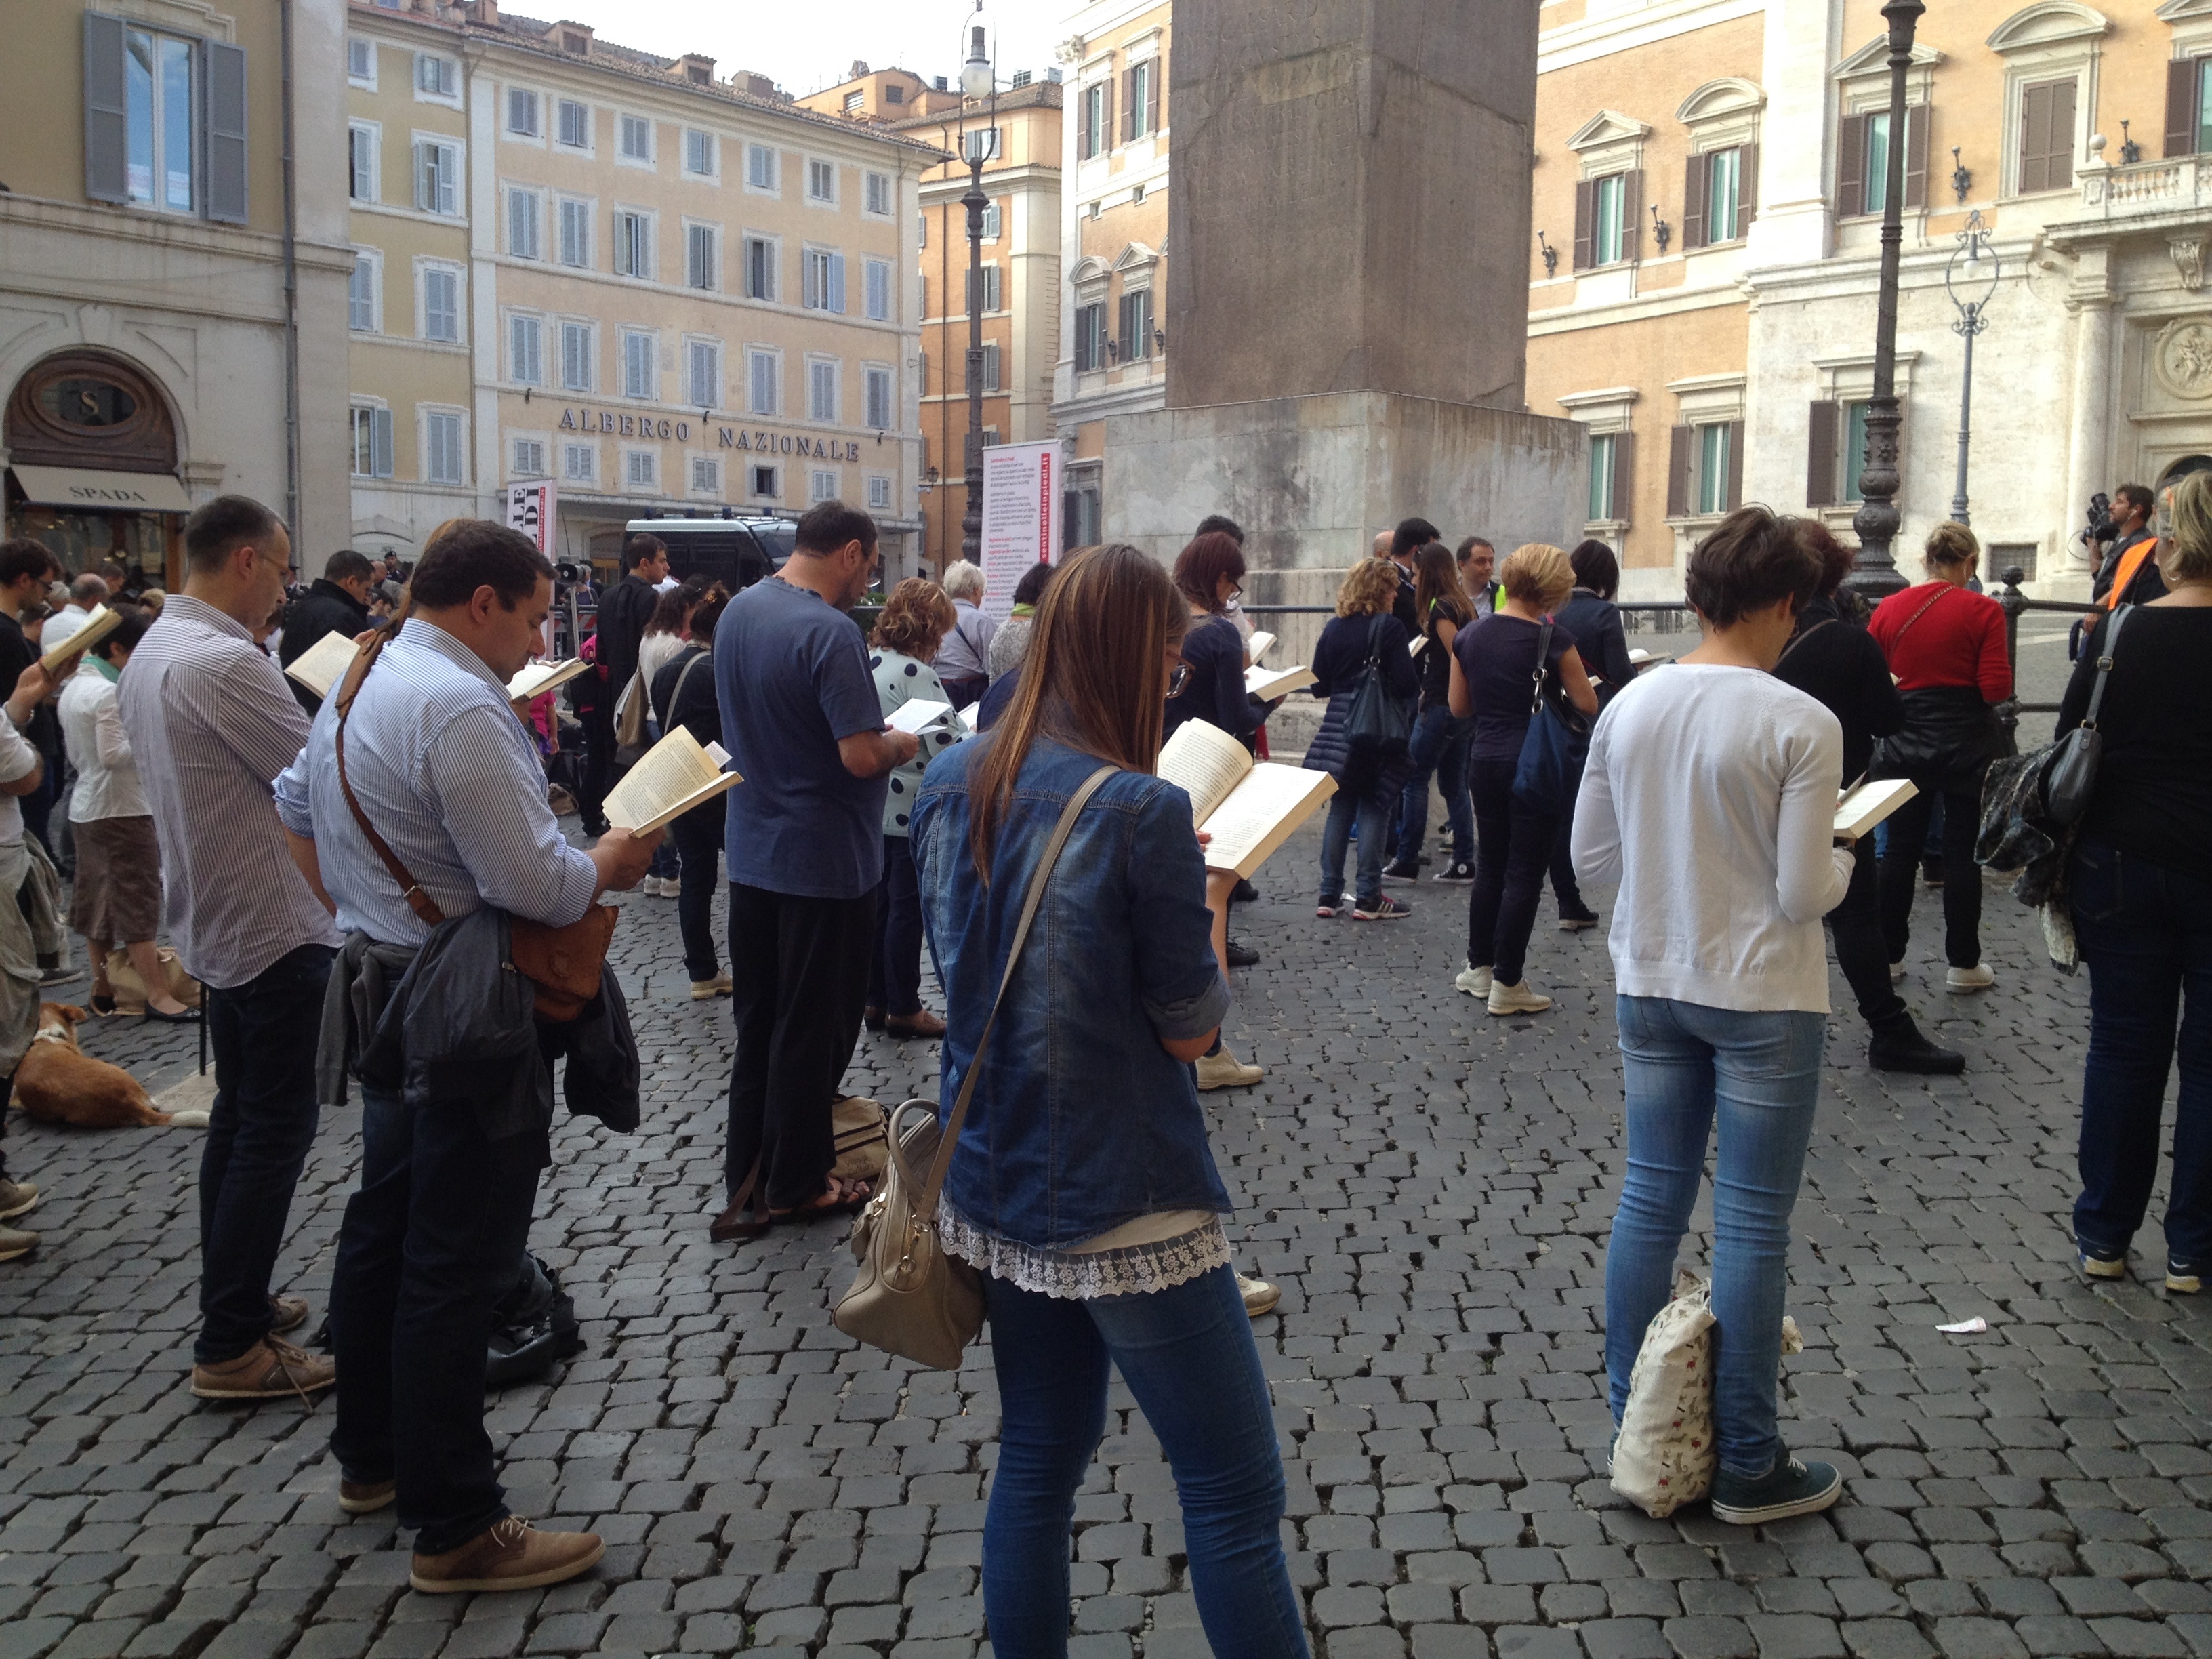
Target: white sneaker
1515,1000
1221,1070
1896,971
1976,978
720,985
1475,981
1259,1296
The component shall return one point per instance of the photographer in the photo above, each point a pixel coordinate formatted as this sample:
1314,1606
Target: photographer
2129,574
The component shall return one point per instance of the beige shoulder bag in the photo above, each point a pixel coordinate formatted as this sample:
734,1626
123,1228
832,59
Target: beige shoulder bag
910,1297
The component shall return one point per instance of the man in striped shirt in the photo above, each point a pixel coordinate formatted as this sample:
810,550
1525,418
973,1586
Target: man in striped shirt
447,776
211,722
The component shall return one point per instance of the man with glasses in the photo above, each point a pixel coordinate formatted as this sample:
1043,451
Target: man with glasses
804,844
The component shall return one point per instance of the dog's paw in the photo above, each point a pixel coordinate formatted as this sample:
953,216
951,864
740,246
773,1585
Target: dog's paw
189,1119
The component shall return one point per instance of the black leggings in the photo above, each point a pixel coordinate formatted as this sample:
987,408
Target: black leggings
1962,876
1513,845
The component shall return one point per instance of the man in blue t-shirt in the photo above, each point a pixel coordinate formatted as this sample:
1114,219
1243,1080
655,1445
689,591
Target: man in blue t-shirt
802,723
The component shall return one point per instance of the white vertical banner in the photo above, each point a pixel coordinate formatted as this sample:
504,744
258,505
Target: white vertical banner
1022,511
530,509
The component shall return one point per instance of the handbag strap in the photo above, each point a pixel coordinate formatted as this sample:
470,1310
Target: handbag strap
924,1202
1375,641
677,695
1941,591
2105,668
410,888
1796,639
1543,651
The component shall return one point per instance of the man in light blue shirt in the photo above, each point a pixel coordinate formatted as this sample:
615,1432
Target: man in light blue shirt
443,770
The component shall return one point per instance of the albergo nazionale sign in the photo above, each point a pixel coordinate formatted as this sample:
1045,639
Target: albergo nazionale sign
753,439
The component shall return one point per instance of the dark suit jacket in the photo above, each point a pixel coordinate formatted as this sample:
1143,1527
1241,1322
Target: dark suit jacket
624,609
324,607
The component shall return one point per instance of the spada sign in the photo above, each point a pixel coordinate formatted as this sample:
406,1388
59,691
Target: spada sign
754,440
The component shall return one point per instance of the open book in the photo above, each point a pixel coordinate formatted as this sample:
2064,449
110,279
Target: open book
1256,647
677,774
1269,684
537,678
917,714
324,664
98,624
1858,811
1640,660
1249,809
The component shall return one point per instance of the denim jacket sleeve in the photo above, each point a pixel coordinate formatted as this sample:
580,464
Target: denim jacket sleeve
1178,979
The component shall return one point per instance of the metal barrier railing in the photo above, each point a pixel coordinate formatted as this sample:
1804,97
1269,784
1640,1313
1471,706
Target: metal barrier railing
2009,598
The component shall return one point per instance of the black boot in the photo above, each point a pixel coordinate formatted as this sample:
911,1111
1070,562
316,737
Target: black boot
1899,1047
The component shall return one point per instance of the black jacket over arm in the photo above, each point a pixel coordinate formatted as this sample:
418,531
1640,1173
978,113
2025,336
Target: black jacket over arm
624,613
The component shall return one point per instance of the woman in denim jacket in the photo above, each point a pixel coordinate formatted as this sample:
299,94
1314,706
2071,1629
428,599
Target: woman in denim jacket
1083,1186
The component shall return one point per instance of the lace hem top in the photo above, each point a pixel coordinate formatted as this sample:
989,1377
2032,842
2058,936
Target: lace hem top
1079,1275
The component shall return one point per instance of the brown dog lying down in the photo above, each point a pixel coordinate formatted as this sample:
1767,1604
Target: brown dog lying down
57,1083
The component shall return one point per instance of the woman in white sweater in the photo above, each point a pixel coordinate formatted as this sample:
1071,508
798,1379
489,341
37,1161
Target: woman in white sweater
1711,797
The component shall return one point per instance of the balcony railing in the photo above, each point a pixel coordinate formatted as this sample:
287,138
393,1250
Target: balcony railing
2173,186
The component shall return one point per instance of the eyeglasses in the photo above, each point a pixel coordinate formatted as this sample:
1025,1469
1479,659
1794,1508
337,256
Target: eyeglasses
1178,680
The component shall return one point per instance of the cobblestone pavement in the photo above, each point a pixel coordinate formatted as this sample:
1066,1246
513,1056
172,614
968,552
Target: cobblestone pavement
1433,1189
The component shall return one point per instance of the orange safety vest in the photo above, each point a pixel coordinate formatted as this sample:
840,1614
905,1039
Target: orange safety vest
2131,564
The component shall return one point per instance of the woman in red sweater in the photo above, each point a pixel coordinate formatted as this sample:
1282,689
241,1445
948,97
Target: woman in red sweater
1946,645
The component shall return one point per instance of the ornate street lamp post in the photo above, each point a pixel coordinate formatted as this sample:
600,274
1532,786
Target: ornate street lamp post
1877,519
978,80
1971,280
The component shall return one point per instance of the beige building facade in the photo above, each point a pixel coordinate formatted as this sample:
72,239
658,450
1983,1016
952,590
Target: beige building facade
667,291
149,359
1709,184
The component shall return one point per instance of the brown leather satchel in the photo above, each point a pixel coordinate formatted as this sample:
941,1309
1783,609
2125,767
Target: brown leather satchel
564,963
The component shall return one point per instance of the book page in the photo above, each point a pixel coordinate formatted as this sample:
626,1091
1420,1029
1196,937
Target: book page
1256,647
1267,806
918,714
1268,684
676,776
98,624
1858,811
324,664
1206,762
537,678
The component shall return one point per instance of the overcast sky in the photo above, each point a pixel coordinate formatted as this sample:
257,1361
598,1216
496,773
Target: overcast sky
806,47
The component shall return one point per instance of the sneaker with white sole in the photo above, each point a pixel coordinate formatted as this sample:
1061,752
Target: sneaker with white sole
1222,1070
1896,971
15,1243
1259,1296
1789,1488
17,1198
1458,872
2095,1264
720,985
1330,907
1976,978
1384,909
1515,999
1475,981
2182,1278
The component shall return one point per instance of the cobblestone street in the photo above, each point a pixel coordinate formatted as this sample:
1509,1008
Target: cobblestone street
1432,1187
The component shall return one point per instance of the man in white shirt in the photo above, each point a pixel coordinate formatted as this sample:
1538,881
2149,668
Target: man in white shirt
86,594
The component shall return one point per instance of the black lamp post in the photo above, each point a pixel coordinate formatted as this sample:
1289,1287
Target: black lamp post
978,80
1877,519
1971,280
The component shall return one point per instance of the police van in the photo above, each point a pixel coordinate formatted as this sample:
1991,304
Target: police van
730,549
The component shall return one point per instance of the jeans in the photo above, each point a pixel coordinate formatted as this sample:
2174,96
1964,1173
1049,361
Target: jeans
1683,1064
1372,809
1512,849
1564,888
1855,925
427,1247
800,970
894,968
263,1035
598,773
1187,1356
667,858
1440,747
2145,931
1962,876
698,837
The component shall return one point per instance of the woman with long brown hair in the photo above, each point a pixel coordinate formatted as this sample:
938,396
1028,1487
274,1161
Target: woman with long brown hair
1082,1186
1440,737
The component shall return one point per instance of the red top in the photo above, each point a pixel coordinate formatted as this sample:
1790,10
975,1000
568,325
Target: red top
1958,640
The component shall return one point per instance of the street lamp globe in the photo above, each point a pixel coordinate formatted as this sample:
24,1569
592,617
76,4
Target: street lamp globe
977,78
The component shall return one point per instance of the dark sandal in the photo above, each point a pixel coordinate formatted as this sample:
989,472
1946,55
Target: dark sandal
103,1003
850,1198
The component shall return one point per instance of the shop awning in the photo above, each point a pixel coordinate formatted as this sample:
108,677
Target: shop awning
90,488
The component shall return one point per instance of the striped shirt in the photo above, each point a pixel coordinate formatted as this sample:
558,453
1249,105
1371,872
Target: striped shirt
451,781
211,723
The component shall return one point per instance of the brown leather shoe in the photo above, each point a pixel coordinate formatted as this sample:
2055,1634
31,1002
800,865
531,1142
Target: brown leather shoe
366,1496
272,1369
290,1312
507,1556
738,1221
923,1024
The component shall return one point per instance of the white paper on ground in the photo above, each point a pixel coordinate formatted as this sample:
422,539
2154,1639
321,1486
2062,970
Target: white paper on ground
1964,1327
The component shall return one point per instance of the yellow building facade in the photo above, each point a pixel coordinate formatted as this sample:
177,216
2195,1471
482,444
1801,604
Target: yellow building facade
666,292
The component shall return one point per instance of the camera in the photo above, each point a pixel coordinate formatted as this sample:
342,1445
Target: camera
2103,526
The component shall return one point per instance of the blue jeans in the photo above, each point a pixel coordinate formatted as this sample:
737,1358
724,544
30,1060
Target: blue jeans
2146,931
1439,746
263,1033
1188,1357
1373,812
1683,1064
697,835
427,1247
895,968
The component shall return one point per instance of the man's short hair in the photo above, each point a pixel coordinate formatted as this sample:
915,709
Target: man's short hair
347,566
24,557
1467,548
1221,522
218,530
478,553
2138,496
832,524
640,547
1410,535
87,590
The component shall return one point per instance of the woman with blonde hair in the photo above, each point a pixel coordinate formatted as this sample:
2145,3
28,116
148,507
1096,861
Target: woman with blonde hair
916,620
1946,647
2142,909
1498,668
1369,780
1082,1185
